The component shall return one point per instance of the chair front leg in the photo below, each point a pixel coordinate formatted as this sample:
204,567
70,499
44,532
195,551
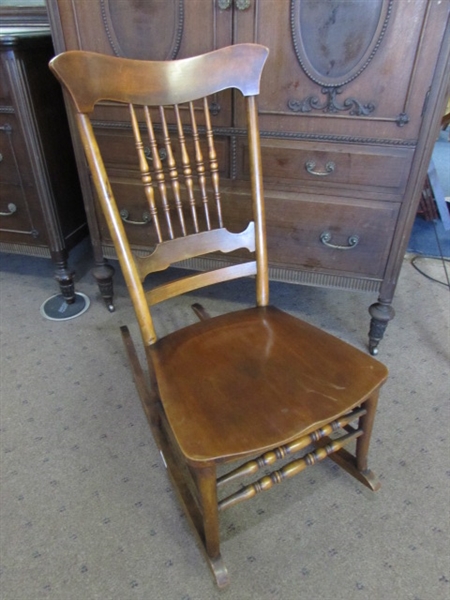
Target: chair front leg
366,424
356,464
207,488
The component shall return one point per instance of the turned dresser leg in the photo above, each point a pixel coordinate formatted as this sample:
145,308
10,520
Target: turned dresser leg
103,274
64,276
381,313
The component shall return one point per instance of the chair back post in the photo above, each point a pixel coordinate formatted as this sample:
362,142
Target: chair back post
262,277
116,229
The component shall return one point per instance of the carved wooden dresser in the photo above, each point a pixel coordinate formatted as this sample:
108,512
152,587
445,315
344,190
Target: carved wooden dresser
351,100
41,208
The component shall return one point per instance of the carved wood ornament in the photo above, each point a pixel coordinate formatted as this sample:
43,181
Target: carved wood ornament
336,49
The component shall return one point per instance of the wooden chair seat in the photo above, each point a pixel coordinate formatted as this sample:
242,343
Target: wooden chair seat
244,382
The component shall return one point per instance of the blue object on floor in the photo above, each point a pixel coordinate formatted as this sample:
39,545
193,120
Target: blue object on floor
429,238
57,309
424,233
439,197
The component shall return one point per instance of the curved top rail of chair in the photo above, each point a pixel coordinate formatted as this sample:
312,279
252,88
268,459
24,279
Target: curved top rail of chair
165,82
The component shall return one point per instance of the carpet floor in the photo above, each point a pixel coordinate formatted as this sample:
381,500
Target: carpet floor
87,511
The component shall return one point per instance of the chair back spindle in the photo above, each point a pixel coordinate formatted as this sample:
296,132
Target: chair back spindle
158,171
200,165
145,172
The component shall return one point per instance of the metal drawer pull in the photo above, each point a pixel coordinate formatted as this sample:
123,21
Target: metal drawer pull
12,209
325,238
329,168
161,151
146,218
240,4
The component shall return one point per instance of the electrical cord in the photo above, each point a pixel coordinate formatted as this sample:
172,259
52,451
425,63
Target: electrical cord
440,258
444,260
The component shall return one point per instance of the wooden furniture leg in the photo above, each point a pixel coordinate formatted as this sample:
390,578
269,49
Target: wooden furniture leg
356,465
381,313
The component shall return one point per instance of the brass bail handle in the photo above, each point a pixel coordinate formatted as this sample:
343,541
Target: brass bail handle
310,166
239,4
325,238
12,208
124,214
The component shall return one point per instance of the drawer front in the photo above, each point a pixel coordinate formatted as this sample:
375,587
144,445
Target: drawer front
21,220
382,171
5,93
13,209
9,172
119,152
138,222
341,237
14,162
139,225
324,234
313,232
130,197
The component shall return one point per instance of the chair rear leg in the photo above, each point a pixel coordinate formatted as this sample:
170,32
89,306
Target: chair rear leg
148,395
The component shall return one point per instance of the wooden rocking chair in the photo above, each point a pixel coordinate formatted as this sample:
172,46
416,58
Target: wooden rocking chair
256,384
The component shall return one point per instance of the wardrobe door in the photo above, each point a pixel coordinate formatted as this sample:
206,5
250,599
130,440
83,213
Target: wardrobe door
337,67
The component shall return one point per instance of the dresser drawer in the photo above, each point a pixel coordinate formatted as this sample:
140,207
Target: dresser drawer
5,90
139,225
130,199
21,218
5,95
346,237
118,150
315,232
343,166
13,209
322,233
14,162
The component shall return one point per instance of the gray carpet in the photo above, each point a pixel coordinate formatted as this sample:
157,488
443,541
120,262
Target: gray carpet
86,507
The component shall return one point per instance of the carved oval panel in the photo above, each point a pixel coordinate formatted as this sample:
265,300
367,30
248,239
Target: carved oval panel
128,23
335,40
